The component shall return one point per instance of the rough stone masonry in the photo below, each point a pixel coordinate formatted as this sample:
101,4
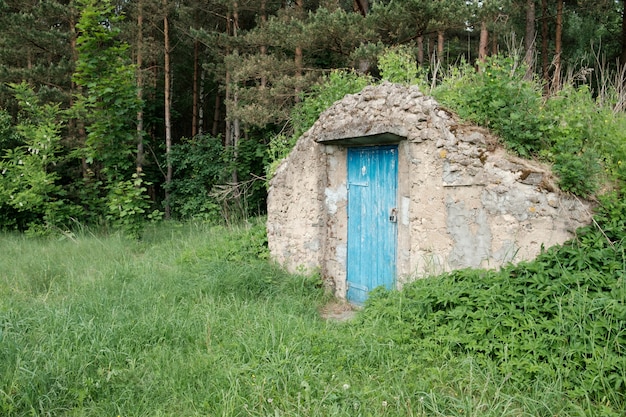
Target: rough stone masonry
463,201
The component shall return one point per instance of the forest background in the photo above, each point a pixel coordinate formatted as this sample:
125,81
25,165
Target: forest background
114,113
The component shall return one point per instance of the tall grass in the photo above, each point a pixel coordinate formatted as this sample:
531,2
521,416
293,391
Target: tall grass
193,320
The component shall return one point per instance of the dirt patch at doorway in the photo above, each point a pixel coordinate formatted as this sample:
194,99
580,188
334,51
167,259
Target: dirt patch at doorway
338,310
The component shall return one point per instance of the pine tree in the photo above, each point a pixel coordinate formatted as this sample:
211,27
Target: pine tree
35,46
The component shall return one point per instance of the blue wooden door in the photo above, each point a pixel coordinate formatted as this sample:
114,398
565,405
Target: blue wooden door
372,215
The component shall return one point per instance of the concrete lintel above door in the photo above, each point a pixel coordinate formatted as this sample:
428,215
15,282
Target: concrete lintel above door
386,138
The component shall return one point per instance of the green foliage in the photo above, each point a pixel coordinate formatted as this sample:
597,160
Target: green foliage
499,97
128,206
30,194
199,165
109,103
92,324
578,171
45,62
248,198
585,142
9,138
609,142
108,107
572,115
611,216
558,318
398,65
279,147
333,88
262,72
202,182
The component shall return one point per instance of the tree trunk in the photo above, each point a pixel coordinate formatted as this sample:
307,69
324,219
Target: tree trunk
236,122
77,126
529,39
298,53
440,41
216,116
623,54
227,92
194,94
544,44
420,49
167,104
298,61
558,45
263,48
484,41
201,102
361,6
140,151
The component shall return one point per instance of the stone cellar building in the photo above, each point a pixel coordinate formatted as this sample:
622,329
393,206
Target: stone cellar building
387,186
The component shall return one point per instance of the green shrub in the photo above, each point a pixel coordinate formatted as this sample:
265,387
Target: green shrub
398,65
31,196
199,164
578,170
128,206
499,97
611,217
609,141
571,115
323,95
559,318
585,142
9,138
249,199
588,141
333,88
202,185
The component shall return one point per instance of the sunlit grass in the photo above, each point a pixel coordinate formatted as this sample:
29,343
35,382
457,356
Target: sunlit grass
192,321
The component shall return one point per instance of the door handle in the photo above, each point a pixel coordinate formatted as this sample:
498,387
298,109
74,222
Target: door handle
393,216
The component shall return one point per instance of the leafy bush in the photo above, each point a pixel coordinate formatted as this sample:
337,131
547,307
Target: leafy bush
202,186
571,116
128,206
333,88
499,97
198,164
560,318
31,196
398,65
9,138
108,102
585,142
250,194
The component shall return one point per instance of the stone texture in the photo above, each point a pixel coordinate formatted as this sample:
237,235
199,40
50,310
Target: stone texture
463,201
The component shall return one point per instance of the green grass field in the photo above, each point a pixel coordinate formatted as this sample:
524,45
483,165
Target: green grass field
194,321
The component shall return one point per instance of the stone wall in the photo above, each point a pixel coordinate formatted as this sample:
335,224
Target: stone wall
296,212
463,201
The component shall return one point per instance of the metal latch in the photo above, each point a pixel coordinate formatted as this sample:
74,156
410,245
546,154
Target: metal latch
393,216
